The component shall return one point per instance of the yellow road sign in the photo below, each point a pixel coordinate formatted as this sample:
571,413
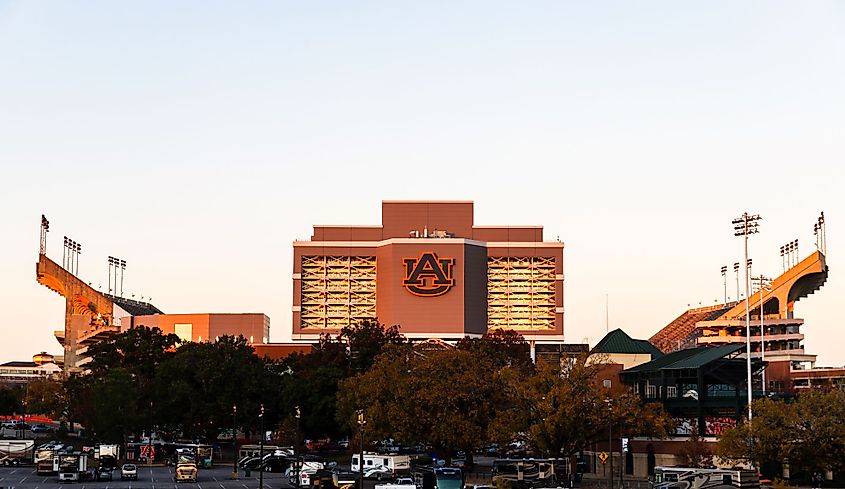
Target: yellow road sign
603,457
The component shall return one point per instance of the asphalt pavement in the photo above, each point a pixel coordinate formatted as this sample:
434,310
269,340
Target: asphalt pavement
218,477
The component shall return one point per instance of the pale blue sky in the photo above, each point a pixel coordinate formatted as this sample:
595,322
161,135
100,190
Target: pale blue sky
196,140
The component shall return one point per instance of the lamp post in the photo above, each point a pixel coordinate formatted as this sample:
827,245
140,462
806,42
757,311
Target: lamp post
234,442
261,448
744,226
361,424
610,439
297,464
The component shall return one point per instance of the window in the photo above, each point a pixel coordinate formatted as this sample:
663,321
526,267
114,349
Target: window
671,391
651,391
183,331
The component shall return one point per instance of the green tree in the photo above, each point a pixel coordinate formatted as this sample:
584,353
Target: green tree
563,411
198,386
366,339
10,400
447,399
46,396
807,432
123,367
503,347
312,386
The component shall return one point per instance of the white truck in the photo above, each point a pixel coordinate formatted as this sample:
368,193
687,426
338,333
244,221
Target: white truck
16,452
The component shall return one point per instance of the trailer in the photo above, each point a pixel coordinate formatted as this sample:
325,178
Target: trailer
530,473
17,452
693,478
44,456
378,465
70,466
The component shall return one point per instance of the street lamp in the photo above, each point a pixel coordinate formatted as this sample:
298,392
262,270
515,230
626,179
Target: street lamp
609,402
261,448
297,464
361,424
234,442
744,226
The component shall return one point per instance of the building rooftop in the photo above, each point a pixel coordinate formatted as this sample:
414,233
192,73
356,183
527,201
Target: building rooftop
617,341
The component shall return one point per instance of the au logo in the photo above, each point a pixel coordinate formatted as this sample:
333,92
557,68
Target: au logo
428,275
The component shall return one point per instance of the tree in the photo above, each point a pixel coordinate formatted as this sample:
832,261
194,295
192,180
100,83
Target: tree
503,347
447,399
807,432
46,396
696,452
198,386
124,367
562,412
366,339
10,400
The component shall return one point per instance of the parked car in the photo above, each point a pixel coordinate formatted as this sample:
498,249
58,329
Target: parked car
41,428
128,471
463,464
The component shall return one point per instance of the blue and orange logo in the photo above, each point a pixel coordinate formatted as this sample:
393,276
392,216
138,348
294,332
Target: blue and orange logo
428,275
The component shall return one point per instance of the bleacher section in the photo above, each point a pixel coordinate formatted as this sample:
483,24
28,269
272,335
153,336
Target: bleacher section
680,333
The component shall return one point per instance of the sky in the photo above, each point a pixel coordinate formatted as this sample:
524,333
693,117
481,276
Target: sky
197,140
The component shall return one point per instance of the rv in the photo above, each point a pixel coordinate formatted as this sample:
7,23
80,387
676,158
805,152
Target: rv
692,478
528,473
44,456
70,466
16,452
379,465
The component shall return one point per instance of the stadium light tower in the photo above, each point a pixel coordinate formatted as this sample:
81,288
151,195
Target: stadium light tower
736,272
725,280
744,226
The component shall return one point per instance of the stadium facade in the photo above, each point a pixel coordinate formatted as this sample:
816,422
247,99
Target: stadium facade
92,316
431,270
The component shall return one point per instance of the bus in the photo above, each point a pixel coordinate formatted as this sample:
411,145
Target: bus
692,478
428,477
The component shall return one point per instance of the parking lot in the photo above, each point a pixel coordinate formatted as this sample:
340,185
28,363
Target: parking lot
219,477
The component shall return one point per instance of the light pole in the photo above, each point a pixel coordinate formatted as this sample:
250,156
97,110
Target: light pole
736,272
610,439
744,226
297,464
361,424
725,279
261,448
234,442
